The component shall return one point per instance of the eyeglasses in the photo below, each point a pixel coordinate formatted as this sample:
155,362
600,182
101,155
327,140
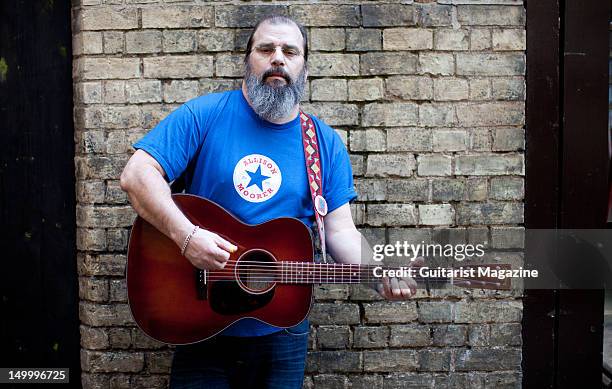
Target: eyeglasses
266,50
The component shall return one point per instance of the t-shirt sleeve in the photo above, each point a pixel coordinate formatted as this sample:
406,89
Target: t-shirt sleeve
174,141
338,185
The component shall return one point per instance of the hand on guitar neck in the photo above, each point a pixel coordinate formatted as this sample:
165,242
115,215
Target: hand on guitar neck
394,288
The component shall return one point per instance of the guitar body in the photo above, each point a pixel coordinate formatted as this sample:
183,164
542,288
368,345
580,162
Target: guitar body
173,302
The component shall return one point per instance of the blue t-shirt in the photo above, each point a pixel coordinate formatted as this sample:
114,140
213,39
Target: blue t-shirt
251,167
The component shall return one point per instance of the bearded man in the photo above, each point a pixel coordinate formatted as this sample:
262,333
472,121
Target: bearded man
243,150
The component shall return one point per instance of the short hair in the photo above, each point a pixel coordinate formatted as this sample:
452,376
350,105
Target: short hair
277,19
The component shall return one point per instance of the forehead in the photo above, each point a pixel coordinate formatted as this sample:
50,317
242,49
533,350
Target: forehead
279,34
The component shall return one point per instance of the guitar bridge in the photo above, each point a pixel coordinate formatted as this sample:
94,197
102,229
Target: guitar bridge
200,280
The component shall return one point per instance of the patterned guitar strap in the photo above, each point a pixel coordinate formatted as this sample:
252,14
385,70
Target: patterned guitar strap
313,170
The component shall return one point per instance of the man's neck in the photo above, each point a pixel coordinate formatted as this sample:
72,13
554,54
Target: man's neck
292,114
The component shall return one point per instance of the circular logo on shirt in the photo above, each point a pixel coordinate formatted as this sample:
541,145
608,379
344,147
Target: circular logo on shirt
257,178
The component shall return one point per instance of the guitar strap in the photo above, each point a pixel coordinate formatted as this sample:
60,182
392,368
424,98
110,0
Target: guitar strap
313,171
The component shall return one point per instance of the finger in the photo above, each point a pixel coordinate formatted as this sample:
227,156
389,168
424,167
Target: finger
386,287
395,289
405,289
224,244
220,255
418,262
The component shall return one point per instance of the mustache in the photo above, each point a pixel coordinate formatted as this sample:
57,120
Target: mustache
280,72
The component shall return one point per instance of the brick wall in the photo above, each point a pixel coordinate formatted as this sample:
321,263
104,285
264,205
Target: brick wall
429,97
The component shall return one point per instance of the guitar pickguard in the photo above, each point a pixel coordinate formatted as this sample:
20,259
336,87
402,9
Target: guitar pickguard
228,298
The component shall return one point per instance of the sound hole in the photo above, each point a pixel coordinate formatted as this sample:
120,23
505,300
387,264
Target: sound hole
257,271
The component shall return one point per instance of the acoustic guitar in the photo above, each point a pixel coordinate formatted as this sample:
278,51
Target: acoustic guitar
270,277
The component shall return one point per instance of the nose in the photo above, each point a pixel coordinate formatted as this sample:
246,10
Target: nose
278,57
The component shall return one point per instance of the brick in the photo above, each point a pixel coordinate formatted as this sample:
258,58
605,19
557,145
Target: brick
410,87
508,39
179,41
325,15
435,312
118,291
382,15
506,334
477,189
508,88
114,92
177,16
117,142
366,381
152,381
436,214
87,43
158,362
120,338
328,90
140,340
499,64
142,42
371,189
436,115
94,265
410,234
385,165
100,167
108,362
371,337
389,312
333,337
429,15
448,189
93,289
409,139
245,15
90,191
508,139
390,114
117,239
493,164
357,164
410,335
330,381
333,361
97,315
507,237
408,380
325,65
107,18
365,89
217,85
91,141
434,360
488,359
369,39
488,311
489,213
358,213
193,66
388,63
480,39
327,39
407,39
391,214
216,40
229,65
330,313
507,188
491,15
104,216
510,380
480,89
140,91
334,114
113,42
331,292
480,139
368,140
479,335
451,39
451,89
437,63
93,338
107,68
491,114
450,140
390,360
110,117
88,92
434,165
450,335
179,91
407,190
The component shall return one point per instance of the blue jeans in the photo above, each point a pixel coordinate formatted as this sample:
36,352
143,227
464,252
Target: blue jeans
270,361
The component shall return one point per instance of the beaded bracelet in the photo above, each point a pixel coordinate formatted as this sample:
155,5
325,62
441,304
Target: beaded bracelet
188,238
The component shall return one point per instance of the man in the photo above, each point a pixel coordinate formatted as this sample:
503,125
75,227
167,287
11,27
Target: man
243,149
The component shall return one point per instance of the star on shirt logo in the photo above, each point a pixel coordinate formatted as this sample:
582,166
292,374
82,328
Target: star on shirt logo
256,178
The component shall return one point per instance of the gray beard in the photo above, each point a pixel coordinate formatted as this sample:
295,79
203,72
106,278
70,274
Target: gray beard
272,103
